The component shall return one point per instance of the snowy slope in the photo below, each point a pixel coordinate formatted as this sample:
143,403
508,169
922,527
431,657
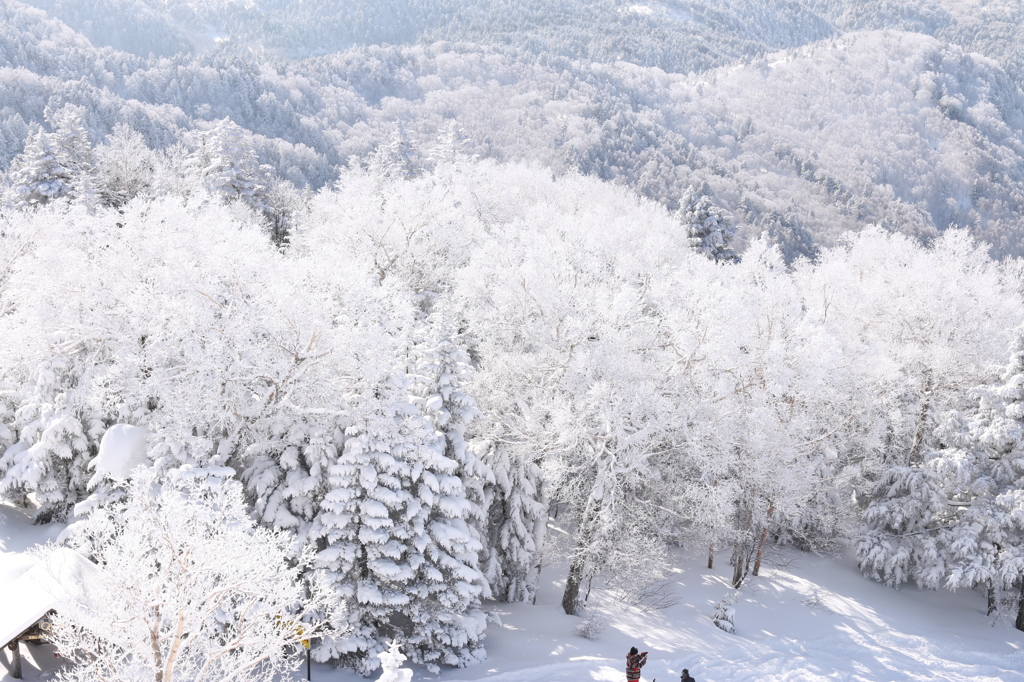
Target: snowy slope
858,630
868,632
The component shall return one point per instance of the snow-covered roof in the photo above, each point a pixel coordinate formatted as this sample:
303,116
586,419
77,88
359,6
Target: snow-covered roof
122,449
39,586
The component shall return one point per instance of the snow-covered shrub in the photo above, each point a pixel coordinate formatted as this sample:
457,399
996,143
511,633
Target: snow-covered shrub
391,663
817,600
190,590
591,627
725,613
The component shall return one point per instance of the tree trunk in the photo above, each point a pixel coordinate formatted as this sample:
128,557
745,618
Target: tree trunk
760,552
1020,608
740,559
764,537
15,648
743,550
571,596
922,421
711,556
154,643
991,594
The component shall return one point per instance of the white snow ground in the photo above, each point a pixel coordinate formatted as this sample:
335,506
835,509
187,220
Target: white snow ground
858,631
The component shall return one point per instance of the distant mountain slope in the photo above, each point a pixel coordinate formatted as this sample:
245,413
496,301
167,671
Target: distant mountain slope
885,127
674,35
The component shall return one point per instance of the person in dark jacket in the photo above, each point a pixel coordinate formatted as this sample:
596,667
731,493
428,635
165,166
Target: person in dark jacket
686,676
634,661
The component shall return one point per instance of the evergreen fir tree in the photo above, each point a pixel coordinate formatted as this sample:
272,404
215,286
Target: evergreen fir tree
57,164
982,466
449,625
452,145
899,542
229,165
516,520
231,170
38,174
909,506
725,613
71,143
54,445
707,227
399,158
373,524
286,475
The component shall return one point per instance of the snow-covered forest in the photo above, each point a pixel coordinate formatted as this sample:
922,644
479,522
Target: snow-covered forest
389,288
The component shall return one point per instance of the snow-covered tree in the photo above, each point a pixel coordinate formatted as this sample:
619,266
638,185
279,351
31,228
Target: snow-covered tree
980,535
373,522
935,342
123,449
125,166
898,543
38,174
287,474
725,613
452,145
228,163
399,158
516,520
211,596
448,625
55,441
55,164
230,168
708,229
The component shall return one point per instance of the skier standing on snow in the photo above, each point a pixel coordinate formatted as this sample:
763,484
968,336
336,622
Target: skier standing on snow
685,677
634,661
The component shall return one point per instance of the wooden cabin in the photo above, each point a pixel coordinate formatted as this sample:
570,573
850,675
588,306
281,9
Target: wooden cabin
34,590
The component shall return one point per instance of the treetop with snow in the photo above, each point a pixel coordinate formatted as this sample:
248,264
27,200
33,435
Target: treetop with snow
415,417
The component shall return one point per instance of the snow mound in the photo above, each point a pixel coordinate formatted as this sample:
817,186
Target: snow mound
122,449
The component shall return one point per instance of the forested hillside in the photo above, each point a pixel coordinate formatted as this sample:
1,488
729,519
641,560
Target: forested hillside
888,128
418,276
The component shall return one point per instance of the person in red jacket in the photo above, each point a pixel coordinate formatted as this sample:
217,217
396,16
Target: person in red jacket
634,661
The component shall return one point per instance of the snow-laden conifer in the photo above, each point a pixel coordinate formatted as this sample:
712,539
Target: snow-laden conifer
226,160
55,441
399,158
55,164
38,174
449,624
708,229
899,543
982,468
287,473
373,522
725,613
516,516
